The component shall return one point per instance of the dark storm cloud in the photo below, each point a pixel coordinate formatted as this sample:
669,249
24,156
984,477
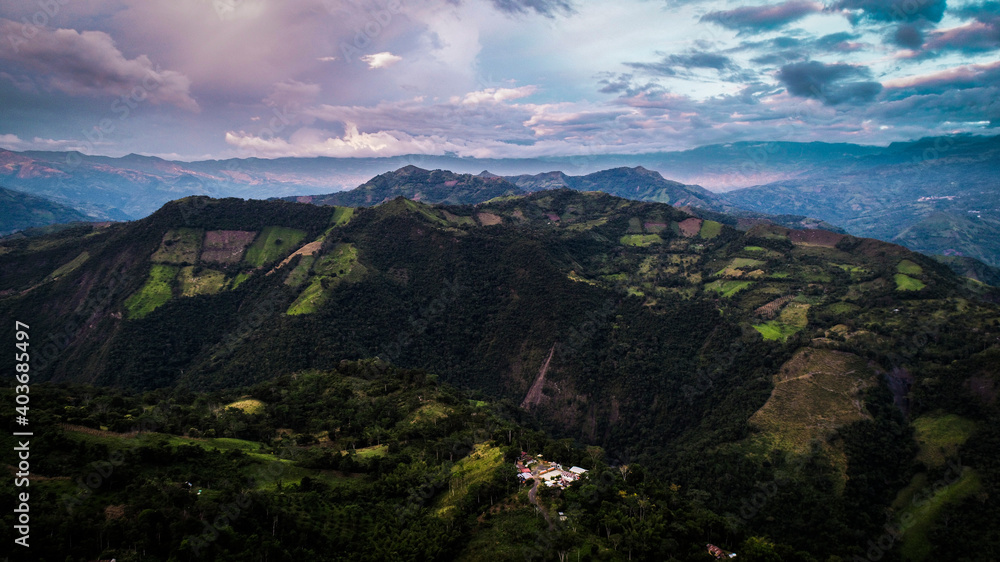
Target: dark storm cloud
895,10
682,65
909,36
544,7
842,42
669,65
964,93
830,83
784,50
750,19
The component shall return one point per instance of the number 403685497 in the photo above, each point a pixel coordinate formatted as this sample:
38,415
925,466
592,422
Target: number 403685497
22,367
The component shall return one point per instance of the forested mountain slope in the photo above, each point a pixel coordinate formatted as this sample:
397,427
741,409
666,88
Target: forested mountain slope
19,211
841,375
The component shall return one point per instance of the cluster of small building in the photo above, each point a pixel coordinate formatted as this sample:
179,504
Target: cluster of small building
718,553
546,472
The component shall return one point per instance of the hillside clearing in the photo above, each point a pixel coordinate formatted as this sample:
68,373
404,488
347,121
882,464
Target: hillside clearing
476,468
907,283
815,392
179,246
155,293
273,243
727,288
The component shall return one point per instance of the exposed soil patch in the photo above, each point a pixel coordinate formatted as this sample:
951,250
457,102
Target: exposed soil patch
690,227
307,250
535,396
226,246
488,219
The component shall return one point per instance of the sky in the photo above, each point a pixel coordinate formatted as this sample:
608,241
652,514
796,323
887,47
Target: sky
204,79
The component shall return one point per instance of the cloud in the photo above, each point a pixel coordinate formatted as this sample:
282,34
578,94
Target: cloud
495,95
842,42
893,10
956,78
975,37
326,59
783,50
351,144
544,7
669,65
11,142
89,64
292,93
750,19
829,83
624,83
909,36
14,142
381,60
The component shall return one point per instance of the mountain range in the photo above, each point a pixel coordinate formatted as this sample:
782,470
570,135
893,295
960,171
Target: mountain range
936,195
839,374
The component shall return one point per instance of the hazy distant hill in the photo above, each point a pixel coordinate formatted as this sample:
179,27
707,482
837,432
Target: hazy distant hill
939,196
19,211
432,186
636,183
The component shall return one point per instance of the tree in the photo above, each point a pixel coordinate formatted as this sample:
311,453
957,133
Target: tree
758,549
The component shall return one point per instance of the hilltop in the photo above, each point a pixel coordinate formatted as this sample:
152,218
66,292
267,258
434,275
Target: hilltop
411,182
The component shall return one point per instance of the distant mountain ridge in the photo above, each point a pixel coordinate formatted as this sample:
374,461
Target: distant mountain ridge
411,182
937,195
636,183
20,211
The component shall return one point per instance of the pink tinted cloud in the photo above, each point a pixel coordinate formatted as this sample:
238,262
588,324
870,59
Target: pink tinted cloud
89,64
977,36
968,75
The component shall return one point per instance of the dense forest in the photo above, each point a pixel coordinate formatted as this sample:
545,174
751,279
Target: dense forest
782,394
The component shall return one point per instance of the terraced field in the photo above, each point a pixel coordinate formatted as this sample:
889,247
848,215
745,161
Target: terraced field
815,392
793,318
226,246
155,293
339,266
179,246
272,244
195,280
641,240
727,287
